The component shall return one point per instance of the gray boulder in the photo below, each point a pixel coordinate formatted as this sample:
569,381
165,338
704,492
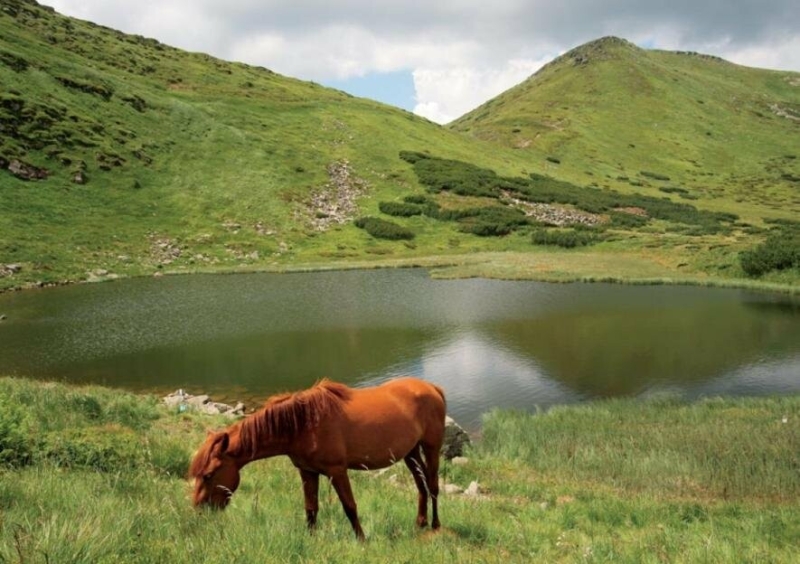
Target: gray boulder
455,439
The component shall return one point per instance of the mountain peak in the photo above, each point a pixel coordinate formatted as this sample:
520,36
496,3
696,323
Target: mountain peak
600,49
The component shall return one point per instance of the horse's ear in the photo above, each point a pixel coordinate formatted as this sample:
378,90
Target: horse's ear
219,444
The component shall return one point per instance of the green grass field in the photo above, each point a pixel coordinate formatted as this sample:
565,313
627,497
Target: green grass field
158,160
96,475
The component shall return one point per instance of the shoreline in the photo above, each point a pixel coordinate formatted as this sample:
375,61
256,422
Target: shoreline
447,267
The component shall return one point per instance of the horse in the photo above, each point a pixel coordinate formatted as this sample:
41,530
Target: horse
327,430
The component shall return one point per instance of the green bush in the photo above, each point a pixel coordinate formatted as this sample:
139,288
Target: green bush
780,251
627,220
654,175
17,436
469,180
418,199
493,221
383,229
568,239
400,209
105,449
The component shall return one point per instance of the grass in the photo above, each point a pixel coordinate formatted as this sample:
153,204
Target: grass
617,480
193,164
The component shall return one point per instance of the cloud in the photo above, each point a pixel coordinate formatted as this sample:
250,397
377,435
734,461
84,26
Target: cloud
445,93
460,51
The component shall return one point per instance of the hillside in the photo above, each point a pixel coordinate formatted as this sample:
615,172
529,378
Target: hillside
121,156
612,114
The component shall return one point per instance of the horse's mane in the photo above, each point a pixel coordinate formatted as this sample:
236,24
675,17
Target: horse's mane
286,415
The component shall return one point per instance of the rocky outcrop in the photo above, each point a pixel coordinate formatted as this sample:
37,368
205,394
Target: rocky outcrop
9,269
455,439
25,171
335,203
202,403
551,214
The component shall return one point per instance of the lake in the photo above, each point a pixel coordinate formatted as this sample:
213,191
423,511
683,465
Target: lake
489,343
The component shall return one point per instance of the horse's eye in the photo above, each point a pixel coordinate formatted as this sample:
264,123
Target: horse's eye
207,477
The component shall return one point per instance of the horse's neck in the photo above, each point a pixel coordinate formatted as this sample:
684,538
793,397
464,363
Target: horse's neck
266,448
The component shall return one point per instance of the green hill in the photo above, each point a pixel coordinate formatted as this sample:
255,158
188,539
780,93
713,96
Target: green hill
121,156
612,114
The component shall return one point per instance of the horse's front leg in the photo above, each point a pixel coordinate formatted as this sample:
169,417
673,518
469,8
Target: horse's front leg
341,483
311,494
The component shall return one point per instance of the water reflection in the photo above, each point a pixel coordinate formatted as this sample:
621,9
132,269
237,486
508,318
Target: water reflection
478,371
488,343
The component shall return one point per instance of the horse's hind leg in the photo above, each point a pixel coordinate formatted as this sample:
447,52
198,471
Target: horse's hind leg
417,467
432,451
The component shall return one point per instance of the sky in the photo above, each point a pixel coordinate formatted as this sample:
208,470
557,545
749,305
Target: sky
443,58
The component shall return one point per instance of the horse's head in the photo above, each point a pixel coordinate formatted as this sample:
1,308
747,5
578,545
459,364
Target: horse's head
215,473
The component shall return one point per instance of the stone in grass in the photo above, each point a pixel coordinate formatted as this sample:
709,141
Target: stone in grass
455,439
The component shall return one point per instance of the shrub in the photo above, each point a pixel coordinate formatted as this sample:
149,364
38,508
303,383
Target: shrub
654,175
673,190
568,238
492,221
383,229
469,180
417,199
780,251
17,439
627,220
400,209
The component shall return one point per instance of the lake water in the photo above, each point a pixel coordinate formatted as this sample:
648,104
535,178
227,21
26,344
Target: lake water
489,343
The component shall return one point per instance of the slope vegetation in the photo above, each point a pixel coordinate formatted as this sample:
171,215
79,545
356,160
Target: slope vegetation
121,156
612,114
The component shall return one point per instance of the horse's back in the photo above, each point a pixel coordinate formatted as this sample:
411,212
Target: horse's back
382,424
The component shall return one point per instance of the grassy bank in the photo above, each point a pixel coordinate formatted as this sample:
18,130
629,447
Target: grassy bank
96,475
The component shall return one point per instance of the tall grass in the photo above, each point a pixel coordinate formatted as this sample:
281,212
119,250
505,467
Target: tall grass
616,481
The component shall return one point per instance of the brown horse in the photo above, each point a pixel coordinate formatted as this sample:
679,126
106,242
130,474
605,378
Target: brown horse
327,430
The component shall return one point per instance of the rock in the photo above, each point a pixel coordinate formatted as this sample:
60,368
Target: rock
3,317
26,171
473,489
452,489
80,178
455,438
210,408
202,404
198,400
335,203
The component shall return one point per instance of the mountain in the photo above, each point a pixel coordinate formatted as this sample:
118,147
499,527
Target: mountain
613,114
122,156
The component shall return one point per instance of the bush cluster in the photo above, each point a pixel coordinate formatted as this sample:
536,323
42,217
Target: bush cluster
568,239
382,229
493,221
780,251
400,209
103,431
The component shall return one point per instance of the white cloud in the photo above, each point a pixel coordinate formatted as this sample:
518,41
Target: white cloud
444,94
